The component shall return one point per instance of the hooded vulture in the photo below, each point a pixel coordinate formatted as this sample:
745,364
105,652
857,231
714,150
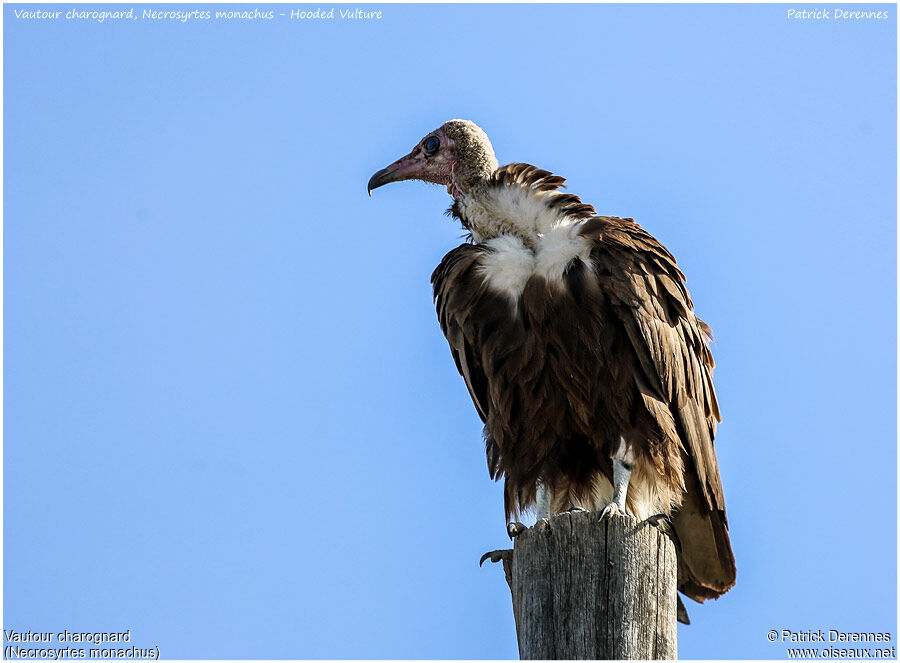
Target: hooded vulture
578,342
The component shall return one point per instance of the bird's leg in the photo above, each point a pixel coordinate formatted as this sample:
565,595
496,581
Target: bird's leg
621,477
622,462
544,496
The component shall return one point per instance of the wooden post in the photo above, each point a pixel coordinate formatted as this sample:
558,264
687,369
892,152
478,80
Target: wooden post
589,589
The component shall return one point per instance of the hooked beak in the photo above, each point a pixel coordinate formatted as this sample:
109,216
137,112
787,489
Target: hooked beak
405,168
382,177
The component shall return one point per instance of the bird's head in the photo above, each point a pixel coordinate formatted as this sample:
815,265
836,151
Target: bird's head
457,155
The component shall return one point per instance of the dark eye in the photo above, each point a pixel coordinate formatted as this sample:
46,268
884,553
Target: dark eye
431,145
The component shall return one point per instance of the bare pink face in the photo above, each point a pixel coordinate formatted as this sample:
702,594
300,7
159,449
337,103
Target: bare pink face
432,160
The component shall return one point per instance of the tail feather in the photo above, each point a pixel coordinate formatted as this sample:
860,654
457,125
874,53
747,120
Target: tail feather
706,567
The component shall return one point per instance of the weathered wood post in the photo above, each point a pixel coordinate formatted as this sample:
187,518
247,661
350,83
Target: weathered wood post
589,589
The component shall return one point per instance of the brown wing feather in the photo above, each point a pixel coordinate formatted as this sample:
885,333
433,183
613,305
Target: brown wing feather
454,283
671,345
454,268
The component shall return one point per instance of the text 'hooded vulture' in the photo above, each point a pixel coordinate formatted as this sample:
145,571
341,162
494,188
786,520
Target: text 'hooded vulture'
578,342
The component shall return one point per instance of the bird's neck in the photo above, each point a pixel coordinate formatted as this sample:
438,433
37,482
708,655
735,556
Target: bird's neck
455,190
469,175
489,211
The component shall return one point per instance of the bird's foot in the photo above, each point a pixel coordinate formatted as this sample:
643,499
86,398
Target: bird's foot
495,556
612,509
515,529
661,520
576,509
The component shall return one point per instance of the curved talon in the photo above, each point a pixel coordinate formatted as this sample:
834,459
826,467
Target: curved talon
494,555
515,529
576,509
658,518
611,509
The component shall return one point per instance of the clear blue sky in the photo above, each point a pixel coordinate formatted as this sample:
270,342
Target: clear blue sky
232,424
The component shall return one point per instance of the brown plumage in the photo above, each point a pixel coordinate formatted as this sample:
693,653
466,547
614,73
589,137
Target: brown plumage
577,340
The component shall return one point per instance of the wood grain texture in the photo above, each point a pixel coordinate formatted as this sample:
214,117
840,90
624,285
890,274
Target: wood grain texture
585,589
